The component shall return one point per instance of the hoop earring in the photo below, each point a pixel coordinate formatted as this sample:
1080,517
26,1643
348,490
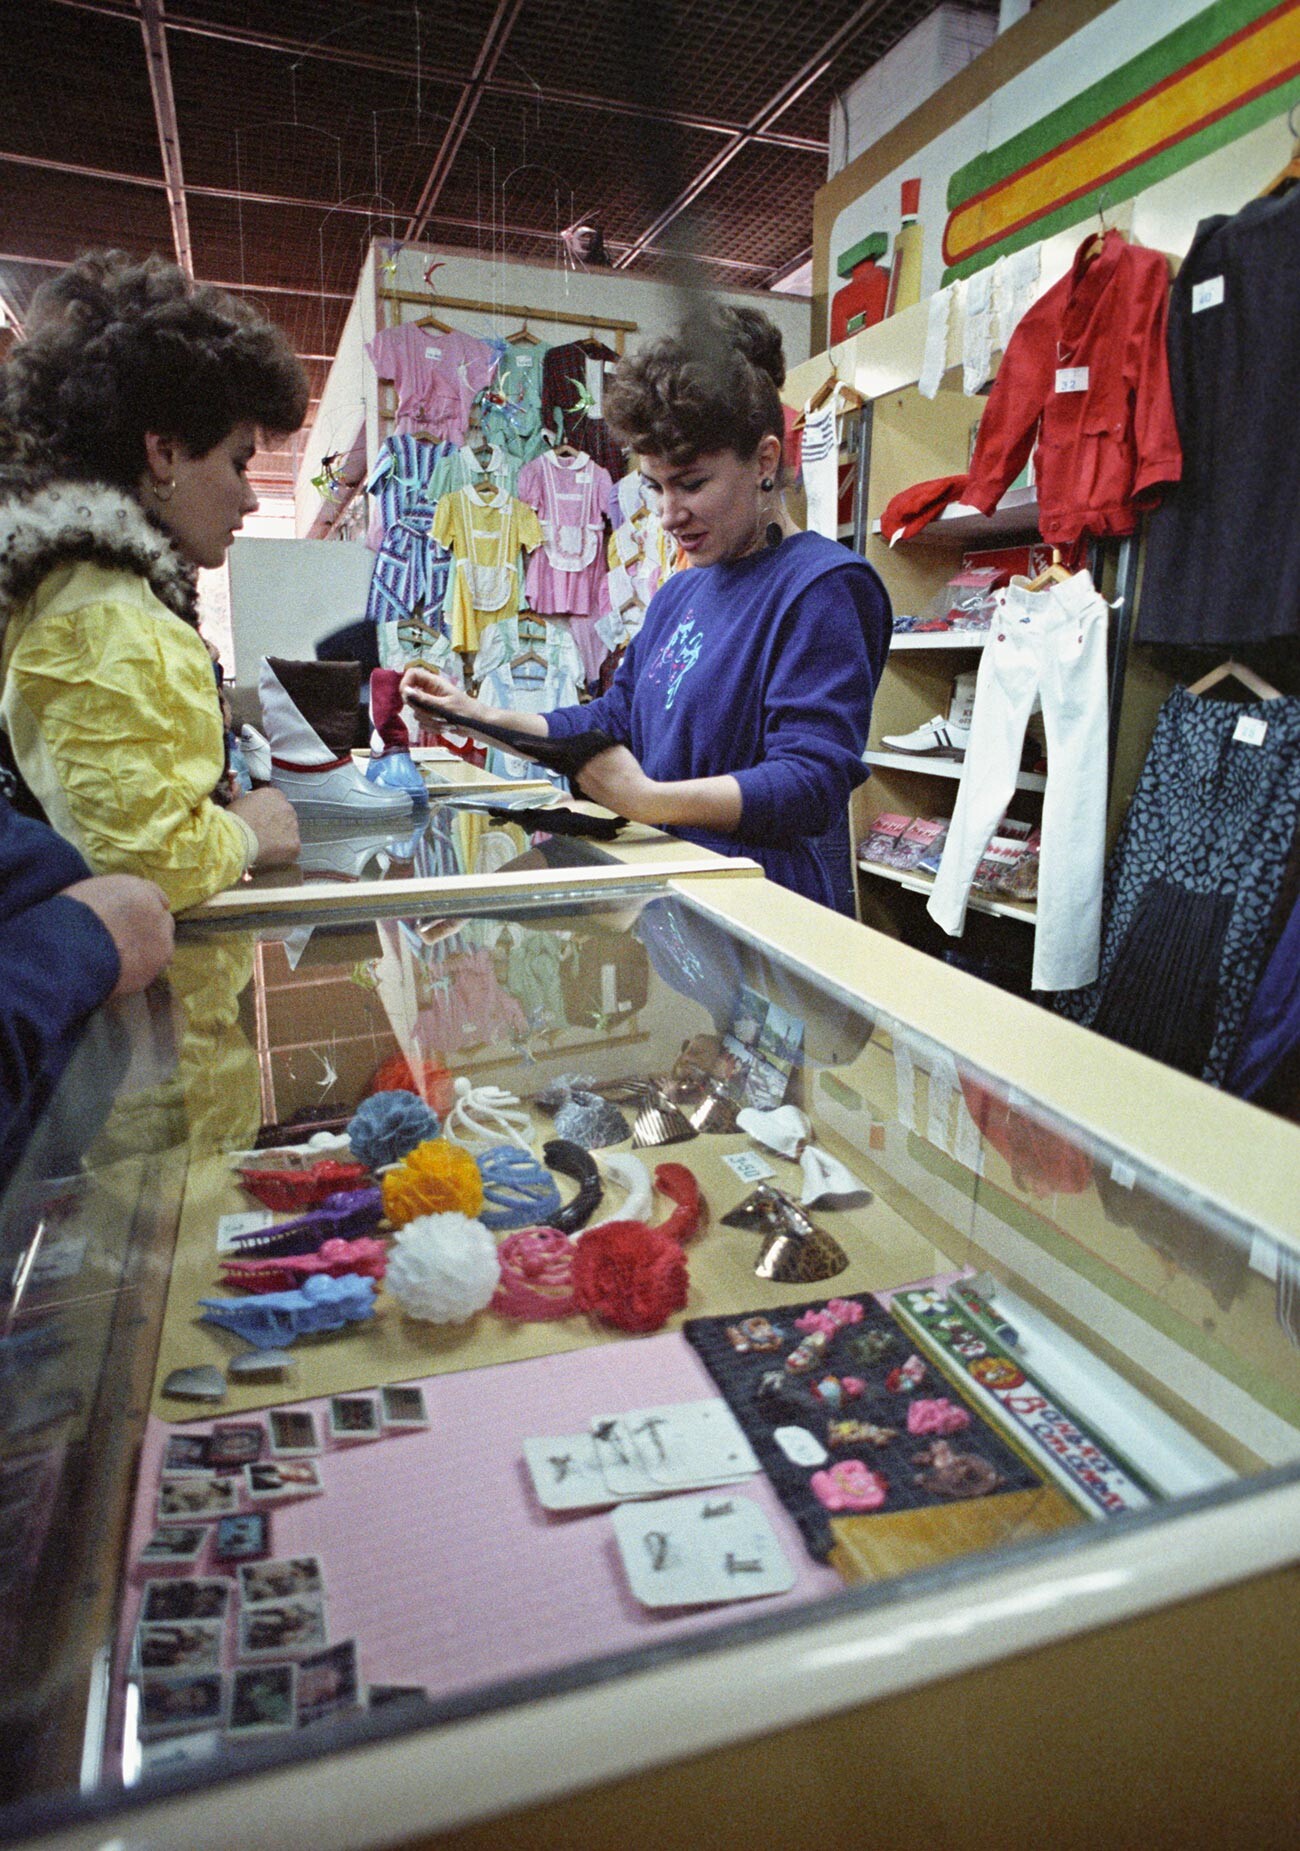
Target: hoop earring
158,487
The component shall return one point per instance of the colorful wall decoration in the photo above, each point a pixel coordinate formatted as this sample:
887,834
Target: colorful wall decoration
1035,149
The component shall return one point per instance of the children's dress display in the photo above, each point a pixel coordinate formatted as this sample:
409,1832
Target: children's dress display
485,532
566,574
1193,881
640,556
438,375
1049,644
573,379
527,664
511,414
410,573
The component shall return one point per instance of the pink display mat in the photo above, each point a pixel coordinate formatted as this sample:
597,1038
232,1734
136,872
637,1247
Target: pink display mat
437,1557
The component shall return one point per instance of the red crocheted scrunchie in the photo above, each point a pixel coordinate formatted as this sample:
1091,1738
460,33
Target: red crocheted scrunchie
536,1275
629,1275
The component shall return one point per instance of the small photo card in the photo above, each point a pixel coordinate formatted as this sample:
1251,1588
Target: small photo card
283,1628
263,1699
402,1407
185,1452
328,1682
172,1704
274,1480
178,1543
180,1645
293,1433
199,1494
354,1417
300,1574
242,1538
234,1444
207,1599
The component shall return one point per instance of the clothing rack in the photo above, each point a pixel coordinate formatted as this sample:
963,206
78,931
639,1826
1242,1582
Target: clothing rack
423,298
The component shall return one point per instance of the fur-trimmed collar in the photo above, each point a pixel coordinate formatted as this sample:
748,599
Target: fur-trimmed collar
62,522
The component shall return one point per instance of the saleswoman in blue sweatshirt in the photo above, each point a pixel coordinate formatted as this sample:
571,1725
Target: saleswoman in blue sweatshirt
743,702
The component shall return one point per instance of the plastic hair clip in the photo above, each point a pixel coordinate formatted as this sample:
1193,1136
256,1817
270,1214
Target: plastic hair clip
346,1216
274,1320
366,1257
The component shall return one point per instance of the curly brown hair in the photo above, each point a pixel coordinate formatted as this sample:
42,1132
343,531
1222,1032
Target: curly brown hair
711,386
116,347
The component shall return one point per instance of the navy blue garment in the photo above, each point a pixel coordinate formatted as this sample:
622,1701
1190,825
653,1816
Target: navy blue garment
1270,1036
764,668
57,963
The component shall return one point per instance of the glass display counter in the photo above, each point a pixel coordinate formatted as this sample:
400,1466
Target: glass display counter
775,1314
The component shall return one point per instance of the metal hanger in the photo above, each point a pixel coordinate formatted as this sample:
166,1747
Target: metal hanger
1290,174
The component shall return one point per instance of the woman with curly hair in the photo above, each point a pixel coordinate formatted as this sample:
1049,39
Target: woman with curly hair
741,708
128,418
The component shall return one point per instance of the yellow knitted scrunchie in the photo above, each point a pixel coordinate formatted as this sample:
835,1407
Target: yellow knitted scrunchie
437,1178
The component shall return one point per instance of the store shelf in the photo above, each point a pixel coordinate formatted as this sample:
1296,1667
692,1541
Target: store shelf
960,525
978,902
939,639
943,768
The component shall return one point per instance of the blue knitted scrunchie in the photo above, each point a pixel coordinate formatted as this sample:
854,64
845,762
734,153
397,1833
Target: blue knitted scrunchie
388,1126
518,1191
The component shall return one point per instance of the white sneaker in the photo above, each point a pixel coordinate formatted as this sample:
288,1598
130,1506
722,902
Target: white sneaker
938,738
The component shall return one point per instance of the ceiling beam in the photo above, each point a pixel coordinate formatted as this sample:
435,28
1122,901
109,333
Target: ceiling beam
496,85
494,43
169,136
309,291
808,74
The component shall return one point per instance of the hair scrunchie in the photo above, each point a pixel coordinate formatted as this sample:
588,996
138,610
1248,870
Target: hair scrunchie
536,1275
437,1178
629,1275
388,1125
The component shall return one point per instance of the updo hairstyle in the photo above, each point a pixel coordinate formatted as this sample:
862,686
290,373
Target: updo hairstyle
116,347
714,385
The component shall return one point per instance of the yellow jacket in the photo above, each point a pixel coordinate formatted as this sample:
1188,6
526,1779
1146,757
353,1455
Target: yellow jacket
111,709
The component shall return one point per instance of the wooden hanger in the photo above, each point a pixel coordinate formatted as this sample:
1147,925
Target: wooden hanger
1290,174
850,398
524,336
431,321
565,451
1055,574
1237,671
528,655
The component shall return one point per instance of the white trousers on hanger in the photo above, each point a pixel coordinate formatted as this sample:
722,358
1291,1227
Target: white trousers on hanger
821,467
1052,644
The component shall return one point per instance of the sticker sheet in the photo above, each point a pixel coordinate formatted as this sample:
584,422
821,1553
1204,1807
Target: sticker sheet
847,1417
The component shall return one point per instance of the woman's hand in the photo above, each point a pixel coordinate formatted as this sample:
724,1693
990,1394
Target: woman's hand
272,819
421,683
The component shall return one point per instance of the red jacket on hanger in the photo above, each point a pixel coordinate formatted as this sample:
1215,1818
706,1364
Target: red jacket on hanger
1086,378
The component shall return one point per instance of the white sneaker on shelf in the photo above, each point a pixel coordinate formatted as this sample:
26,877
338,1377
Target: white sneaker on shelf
938,738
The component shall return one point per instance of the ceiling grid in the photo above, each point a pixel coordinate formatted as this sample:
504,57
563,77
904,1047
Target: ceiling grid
269,143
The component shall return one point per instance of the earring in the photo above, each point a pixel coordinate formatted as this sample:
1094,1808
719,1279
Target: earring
169,486
767,485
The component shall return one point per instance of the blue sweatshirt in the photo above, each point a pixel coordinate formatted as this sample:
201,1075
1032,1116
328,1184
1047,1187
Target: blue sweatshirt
57,963
763,668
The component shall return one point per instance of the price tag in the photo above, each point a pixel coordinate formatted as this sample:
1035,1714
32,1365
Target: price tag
1208,294
1072,379
1249,731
